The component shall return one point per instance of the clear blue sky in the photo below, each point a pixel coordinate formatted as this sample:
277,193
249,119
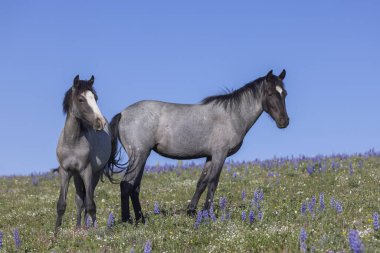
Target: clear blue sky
182,51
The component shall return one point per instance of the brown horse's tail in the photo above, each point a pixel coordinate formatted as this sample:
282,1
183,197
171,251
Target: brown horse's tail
114,164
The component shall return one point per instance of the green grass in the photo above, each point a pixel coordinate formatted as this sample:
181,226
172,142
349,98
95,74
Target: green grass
31,209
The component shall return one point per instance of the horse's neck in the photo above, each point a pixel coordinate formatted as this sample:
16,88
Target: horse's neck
72,129
249,110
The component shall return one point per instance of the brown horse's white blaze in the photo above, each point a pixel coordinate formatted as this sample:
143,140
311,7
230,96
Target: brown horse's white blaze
100,122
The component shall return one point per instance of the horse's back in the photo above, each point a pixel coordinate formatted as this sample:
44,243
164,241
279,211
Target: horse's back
139,122
173,130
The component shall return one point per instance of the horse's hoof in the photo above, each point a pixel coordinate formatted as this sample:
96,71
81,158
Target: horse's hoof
191,212
141,219
55,232
130,221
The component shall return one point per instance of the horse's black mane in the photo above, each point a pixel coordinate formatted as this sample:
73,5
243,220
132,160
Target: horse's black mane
232,98
81,87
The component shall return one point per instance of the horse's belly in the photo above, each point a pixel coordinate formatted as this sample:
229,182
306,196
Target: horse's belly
180,152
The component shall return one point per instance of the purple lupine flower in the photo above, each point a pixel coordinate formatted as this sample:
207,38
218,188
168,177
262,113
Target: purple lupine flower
35,180
311,205
255,198
243,216
205,215
16,237
258,196
332,202
260,216
156,209
228,216
223,203
1,240
351,169
360,164
243,195
234,175
132,250
148,247
222,218
322,201
313,200
338,207
111,220
303,208
261,195
355,242
302,238
198,220
212,214
251,216
310,169
376,221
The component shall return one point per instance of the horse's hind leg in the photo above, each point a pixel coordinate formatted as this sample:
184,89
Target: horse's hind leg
124,198
201,186
61,204
79,197
136,205
130,186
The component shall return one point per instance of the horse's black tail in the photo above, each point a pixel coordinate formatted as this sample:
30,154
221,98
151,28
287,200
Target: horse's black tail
114,164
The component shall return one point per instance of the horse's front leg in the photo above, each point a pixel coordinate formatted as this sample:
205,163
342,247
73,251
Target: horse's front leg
79,198
61,204
213,178
201,186
89,203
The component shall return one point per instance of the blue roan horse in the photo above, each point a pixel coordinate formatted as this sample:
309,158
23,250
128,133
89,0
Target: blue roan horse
83,149
214,129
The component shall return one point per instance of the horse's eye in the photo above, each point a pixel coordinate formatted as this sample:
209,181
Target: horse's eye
81,100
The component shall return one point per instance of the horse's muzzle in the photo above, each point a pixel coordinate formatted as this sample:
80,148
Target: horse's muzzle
283,122
99,124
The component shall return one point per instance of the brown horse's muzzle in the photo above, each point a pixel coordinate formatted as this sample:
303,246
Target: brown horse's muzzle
99,124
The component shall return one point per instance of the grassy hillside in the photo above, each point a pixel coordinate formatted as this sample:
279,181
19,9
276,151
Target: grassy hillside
324,197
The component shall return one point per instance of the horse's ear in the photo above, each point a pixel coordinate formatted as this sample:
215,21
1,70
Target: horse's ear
91,81
76,81
269,74
282,75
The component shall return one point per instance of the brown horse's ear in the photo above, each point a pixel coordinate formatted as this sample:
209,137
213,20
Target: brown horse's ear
282,75
76,81
91,81
269,74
